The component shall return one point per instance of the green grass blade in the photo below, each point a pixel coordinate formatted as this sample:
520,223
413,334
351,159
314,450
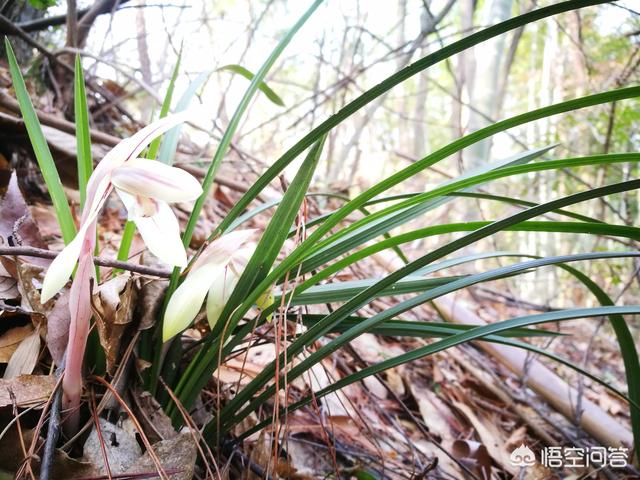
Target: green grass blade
407,328
384,220
262,86
387,84
169,145
41,150
166,106
477,333
272,239
83,131
522,203
130,227
365,296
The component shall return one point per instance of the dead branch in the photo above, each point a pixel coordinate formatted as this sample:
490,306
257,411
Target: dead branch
103,262
54,21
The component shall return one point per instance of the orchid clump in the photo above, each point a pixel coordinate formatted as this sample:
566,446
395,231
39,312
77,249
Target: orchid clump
145,187
213,275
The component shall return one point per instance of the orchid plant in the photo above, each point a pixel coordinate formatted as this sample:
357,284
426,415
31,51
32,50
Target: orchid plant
145,187
235,274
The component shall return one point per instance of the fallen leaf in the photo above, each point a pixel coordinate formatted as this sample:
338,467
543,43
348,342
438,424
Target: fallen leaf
155,423
58,320
17,226
473,455
10,340
177,454
113,307
489,433
151,295
8,285
29,390
25,358
30,278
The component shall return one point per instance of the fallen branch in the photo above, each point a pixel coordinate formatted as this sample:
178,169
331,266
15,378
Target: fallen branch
103,262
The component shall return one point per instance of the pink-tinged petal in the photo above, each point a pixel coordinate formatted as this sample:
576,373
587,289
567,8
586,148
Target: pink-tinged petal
80,312
219,293
222,249
186,301
156,180
128,149
158,227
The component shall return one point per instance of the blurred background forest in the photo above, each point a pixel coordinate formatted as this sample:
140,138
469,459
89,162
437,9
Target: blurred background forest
348,47
129,50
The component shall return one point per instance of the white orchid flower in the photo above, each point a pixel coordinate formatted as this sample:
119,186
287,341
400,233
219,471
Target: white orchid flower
144,186
214,275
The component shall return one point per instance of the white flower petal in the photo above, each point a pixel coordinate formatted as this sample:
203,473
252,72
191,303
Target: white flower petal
62,266
159,230
127,149
186,301
219,293
221,249
156,180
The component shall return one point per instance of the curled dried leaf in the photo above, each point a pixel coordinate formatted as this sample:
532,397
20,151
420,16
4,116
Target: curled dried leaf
25,358
10,340
113,307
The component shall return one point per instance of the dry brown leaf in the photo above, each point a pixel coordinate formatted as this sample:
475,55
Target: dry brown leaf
25,358
10,340
473,455
29,390
8,285
58,320
151,295
113,308
155,423
492,437
30,278
16,224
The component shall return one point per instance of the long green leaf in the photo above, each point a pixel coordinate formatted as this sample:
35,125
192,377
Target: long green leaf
383,220
169,145
166,106
83,131
470,335
365,296
390,82
262,86
41,149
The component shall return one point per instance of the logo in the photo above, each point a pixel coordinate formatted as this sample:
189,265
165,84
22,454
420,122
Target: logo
522,456
572,457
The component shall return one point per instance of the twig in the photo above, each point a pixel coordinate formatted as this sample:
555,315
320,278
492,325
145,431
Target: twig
103,262
61,124
53,430
54,21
